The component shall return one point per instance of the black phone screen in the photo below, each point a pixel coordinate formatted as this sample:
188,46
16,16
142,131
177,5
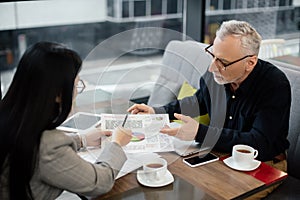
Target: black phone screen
198,159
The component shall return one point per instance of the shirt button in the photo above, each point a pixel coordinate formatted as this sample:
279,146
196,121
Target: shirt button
233,97
230,117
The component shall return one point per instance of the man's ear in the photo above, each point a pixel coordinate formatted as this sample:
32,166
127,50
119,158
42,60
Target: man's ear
251,63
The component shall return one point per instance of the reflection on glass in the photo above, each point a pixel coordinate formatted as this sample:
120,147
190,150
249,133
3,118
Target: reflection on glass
125,9
250,4
282,2
179,189
110,8
261,3
172,6
156,7
239,4
227,5
139,8
214,5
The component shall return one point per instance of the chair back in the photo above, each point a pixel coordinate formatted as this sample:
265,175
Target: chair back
182,61
293,157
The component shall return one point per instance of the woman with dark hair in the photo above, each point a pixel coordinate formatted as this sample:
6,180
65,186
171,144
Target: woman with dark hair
37,161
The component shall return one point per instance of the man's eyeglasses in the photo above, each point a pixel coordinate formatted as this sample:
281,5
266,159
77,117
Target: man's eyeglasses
219,62
80,86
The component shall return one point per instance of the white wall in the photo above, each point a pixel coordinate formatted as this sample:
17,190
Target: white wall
296,2
7,16
30,14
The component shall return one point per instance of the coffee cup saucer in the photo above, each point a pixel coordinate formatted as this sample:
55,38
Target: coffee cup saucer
165,180
234,165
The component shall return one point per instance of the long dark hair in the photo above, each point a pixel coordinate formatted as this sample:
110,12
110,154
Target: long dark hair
45,72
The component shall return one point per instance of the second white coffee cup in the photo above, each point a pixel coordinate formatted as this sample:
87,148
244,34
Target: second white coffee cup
243,154
155,169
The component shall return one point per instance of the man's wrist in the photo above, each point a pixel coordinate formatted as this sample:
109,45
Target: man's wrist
159,110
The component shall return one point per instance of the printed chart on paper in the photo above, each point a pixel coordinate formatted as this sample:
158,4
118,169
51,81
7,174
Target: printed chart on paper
145,130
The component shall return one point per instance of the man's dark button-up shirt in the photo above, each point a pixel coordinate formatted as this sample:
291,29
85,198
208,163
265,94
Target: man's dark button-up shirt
256,114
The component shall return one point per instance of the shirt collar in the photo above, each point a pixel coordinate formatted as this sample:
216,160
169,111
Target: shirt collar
249,81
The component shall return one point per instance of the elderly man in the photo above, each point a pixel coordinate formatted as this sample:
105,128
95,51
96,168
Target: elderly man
255,107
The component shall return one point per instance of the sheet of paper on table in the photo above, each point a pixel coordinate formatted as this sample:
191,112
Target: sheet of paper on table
145,128
134,160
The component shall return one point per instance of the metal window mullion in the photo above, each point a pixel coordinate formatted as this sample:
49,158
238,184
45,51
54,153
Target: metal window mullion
164,7
131,8
220,5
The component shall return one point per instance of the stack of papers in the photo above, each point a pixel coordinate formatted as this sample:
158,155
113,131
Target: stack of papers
133,162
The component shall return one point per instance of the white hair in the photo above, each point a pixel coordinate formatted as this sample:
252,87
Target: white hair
250,38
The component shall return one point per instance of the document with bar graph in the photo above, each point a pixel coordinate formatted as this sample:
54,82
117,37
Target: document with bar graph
145,131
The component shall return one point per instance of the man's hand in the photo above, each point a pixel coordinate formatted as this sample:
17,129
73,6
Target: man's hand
187,131
141,109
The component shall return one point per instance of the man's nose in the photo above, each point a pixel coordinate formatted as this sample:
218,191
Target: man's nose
212,66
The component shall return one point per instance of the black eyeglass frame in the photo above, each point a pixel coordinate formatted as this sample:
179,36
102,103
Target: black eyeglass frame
80,89
225,65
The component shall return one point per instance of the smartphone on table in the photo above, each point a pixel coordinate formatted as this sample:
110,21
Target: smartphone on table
200,159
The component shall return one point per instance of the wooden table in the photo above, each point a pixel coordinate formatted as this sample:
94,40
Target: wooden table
212,181
179,189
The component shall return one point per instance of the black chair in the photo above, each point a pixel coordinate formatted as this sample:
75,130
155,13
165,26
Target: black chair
290,188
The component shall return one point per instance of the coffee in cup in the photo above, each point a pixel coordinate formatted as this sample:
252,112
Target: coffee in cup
243,151
155,169
244,154
154,165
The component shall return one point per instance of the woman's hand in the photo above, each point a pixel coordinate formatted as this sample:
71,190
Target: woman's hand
92,136
121,136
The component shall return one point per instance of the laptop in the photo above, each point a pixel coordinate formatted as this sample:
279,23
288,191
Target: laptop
187,148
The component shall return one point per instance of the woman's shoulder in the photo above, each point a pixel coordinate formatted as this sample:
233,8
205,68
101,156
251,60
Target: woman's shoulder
54,139
54,135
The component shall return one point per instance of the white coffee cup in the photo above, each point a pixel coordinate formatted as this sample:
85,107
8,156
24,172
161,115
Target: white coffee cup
243,154
155,169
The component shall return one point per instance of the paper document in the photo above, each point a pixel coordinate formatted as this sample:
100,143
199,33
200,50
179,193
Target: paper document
145,130
133,162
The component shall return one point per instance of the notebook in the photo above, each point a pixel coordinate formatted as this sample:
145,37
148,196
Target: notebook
267,174
187,148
